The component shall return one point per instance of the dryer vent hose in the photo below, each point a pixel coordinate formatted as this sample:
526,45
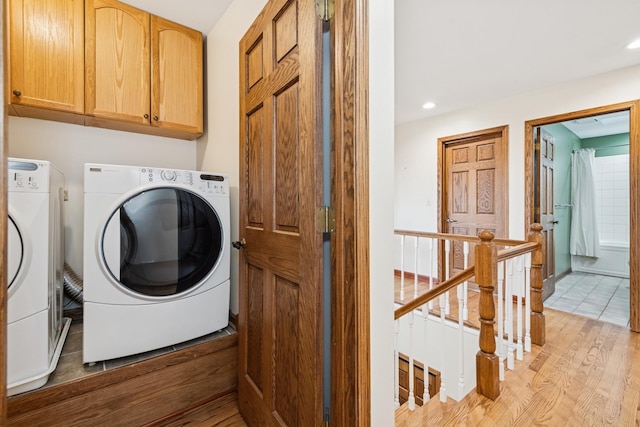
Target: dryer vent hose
72,284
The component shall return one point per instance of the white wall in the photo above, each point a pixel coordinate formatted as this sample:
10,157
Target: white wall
69,146
218,149
416,155
381,153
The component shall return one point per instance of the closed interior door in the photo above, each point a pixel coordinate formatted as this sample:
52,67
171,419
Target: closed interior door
474,197
280,345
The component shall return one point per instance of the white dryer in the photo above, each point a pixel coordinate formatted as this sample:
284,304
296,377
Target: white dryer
156,258
35,243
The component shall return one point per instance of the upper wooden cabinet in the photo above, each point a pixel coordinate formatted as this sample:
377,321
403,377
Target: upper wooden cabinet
142,70
104,63
176,76
46,57
117,47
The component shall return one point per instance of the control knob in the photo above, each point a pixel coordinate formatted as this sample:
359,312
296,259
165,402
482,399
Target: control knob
168,175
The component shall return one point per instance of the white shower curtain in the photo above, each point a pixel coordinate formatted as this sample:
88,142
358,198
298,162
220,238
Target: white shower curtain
585,239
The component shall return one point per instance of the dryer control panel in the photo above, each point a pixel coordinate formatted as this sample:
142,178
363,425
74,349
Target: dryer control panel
157,176
207,183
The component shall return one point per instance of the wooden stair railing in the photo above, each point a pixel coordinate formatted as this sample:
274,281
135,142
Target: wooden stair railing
485,272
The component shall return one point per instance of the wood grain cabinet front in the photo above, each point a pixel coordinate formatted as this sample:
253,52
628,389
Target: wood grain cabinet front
104,63
143,73
176,77
46,57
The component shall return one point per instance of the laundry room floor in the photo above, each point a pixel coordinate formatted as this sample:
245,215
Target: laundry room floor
70,366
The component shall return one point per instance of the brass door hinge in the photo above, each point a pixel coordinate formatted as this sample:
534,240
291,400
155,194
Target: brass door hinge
326,219
325,9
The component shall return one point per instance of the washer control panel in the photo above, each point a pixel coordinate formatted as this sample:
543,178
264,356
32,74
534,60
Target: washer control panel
27,176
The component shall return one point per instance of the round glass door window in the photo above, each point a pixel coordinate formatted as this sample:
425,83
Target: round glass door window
162,242
15,252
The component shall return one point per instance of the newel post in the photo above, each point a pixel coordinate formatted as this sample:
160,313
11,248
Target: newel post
537,309
486,275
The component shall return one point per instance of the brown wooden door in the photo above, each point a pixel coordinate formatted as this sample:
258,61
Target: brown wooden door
280,351
545,146
475,189
47,54
176,76
117,62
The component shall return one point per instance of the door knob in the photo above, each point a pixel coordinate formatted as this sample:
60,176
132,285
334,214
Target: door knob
450,220
239,244
554,222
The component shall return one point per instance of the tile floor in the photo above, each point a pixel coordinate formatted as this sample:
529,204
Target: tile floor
599,297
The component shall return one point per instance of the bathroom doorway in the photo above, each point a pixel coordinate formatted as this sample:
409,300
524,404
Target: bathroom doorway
616,150
590,216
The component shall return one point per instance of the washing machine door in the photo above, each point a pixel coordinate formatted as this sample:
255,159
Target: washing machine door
16,254
170,241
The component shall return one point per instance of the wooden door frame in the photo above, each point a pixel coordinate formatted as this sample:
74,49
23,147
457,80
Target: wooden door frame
350,317
633,107
442,202
470,136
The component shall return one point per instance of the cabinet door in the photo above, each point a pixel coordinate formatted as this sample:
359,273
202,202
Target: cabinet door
117,61
46,51
176,76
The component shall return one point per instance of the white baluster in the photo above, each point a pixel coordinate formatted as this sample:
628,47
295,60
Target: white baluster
415,269
527,301
501,303
465,293
447,250
443,351
396,375
431,269
425,318
460,341
509,314
402,268
520,288
412,397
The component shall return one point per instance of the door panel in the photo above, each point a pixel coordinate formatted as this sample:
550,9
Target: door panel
280,369
545,150
176,76
474,198
47,54
117,89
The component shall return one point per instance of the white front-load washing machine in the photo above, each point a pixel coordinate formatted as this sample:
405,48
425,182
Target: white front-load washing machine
156,258
36,330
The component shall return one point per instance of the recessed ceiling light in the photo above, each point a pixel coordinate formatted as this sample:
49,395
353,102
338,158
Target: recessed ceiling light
634,44
428,105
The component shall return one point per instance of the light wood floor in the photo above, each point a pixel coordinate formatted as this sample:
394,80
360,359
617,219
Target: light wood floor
221,412
587,374
473,297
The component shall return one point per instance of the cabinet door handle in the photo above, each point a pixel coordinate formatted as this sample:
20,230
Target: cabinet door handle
146,116
17,93
155,118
